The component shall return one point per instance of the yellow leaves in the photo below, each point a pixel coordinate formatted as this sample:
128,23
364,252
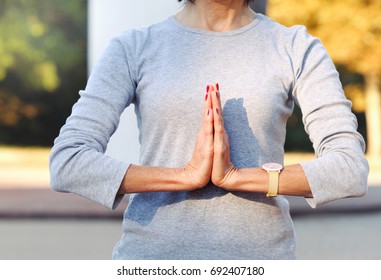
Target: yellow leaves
36,27
292,12
350,29
3,73
47,74
355,92
6,61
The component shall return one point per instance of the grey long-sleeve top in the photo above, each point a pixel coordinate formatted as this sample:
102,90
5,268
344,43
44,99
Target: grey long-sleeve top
263,69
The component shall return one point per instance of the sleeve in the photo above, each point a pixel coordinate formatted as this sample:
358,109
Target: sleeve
77,160
340,169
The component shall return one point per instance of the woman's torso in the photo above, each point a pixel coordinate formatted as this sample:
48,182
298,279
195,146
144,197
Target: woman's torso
171,66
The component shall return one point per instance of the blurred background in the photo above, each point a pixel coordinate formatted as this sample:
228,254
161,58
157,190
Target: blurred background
47,50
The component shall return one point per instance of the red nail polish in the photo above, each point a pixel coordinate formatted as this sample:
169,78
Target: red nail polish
207,89
208,112
206,97
218,86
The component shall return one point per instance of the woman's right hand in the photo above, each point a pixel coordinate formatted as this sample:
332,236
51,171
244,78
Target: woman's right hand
199,169
196,174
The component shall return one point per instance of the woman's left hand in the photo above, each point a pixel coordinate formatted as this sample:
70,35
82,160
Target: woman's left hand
224,171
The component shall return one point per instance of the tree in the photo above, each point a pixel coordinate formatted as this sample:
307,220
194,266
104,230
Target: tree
351,32
41,43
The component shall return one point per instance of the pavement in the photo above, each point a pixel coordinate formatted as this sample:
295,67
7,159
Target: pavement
39,224
44,203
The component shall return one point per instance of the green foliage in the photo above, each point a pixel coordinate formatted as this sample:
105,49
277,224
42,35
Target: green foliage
42,66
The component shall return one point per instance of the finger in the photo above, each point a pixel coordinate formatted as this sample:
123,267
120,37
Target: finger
208,112
217,109
220,143
217,100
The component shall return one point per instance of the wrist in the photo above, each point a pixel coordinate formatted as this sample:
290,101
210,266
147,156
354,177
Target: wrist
253,180
273,170
154,179
188,180
247,180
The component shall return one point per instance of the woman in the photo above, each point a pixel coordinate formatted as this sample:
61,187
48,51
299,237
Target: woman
200,191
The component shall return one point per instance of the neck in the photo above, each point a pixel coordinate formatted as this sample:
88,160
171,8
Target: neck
216,15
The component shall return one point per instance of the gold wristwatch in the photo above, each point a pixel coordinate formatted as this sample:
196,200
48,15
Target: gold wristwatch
273,169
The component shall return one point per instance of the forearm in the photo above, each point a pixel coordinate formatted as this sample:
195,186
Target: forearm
292,181
154,179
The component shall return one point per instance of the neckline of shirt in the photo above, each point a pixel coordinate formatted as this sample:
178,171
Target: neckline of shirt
241,30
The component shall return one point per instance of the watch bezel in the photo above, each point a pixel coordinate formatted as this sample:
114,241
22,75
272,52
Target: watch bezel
272,167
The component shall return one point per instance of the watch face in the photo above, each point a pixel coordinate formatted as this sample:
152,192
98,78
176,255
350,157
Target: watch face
272,166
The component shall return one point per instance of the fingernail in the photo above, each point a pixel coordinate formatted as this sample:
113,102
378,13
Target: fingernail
217,111
208,112
218,86
206,97
207,89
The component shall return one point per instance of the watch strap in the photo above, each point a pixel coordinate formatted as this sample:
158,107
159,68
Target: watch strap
273,183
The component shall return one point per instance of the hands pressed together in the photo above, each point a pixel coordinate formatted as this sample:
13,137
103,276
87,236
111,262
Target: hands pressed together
211,162
211,155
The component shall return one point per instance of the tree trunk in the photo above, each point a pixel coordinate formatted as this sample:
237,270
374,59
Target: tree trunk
373,114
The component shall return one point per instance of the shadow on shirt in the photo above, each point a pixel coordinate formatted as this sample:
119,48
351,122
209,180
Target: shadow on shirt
244,150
